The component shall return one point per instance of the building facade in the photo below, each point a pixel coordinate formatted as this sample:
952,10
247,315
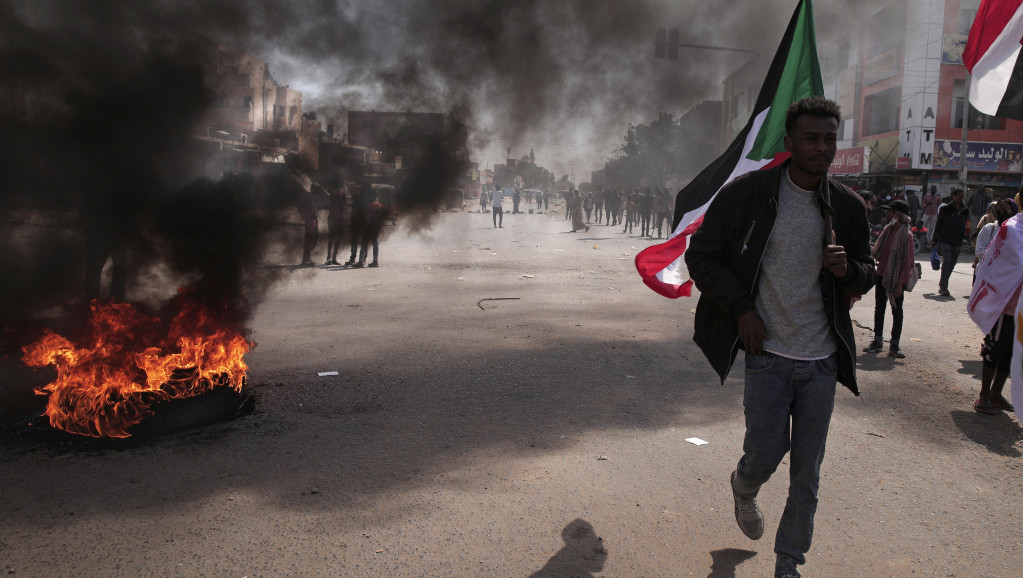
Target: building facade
898,75
247,97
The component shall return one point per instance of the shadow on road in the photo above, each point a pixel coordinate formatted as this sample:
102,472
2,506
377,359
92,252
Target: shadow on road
999,433
726,561
582,556
971,367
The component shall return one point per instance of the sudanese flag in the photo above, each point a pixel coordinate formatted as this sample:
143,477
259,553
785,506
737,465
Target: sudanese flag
795,73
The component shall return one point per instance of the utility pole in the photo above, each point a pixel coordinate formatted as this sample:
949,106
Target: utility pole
965,138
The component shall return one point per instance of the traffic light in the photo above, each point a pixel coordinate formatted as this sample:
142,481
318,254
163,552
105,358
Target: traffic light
661,42
673,44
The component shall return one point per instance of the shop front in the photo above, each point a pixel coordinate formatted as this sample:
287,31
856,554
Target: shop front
998,166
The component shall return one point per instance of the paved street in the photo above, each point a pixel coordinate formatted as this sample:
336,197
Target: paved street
509,402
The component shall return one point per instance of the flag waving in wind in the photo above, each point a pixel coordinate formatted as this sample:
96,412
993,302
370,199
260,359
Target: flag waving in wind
992,56
794,74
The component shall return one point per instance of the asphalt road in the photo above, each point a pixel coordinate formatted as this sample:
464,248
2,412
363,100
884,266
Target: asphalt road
515,402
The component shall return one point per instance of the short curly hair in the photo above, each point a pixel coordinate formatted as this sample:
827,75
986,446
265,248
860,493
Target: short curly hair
811,106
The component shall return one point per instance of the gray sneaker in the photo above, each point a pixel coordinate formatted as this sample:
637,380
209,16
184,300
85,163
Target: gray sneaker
747,514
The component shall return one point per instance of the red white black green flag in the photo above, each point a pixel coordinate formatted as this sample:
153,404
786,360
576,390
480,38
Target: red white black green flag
794,74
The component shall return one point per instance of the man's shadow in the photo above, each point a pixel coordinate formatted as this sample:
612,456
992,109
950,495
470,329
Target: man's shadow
582,555
725,561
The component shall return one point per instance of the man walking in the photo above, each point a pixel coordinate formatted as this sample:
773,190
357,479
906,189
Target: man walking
497,200
949,233
773,278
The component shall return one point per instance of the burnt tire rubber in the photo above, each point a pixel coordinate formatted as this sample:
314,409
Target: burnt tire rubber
218,404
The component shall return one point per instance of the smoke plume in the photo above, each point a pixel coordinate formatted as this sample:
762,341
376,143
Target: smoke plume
101,97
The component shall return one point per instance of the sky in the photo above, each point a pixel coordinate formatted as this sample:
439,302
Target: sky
564,78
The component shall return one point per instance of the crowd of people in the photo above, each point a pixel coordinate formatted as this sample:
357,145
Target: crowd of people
651,208
951,223
359,209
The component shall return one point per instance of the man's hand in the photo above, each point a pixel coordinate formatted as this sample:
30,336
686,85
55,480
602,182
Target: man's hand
835,260
752,331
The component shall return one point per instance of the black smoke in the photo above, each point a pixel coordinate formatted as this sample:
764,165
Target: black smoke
100,98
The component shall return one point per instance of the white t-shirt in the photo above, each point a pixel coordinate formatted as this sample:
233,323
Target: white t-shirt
498,198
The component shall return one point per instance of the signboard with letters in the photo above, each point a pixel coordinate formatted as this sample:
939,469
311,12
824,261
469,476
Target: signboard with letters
849,161
989,157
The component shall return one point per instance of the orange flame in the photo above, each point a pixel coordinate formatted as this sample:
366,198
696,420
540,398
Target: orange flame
131,361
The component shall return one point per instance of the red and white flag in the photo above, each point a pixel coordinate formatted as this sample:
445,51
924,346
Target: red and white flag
992,56
794,74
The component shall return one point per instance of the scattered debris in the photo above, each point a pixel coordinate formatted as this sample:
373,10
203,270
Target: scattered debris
870,433
461,278
528,276
326,373
697,441
480,302
602,457
595,246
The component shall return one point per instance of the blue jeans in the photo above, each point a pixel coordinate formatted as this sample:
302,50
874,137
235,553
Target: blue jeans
949,258
779,389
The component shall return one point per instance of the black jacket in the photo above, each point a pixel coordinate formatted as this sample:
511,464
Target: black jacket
950,227
724,259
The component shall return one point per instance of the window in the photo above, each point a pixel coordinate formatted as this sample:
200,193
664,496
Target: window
736,106
882,111
967,13
966,20
247,102
977,118
887,29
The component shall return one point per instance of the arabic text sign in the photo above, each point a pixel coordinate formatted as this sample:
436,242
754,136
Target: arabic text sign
992,157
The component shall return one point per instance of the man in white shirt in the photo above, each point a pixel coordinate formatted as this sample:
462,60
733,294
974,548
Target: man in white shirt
497,200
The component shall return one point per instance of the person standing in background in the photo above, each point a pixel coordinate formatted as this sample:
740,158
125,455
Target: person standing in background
930,204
